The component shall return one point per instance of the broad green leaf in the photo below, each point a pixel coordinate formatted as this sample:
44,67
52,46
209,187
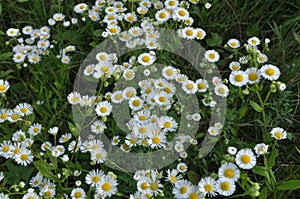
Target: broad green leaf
255,106
98,33
263,171
289,185
93,44
17,173
45,169
242,111
214,40
73,129
263,193
272,159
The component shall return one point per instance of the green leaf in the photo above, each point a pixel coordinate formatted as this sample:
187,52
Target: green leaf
214,40
297,149
7,72
242,111
263,193
255,106
252,30
5,56
193,177
22,1
93,44
17,173
263,171
73,129
45,169
272,159
289,185
98,33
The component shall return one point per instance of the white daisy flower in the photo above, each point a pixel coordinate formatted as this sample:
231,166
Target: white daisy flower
115,140
261,149
162,16
188,33
212,56
253,75
207,186
234,65
171,4
113,29
213,131
99,155
135,31
19,57
103,108
146,59
180,78
253,41
129,92
233,43
262,58
173,175
270,72
168,124
189,87
98,127
180,14
136,103
142,10
238,78
78,193
24,158
225,187
12,32
107,187
278,133
182,167
117,97
243,60
245,159
221,90
4,113
65,138
202,85
229,171
58,17
128,74
4,86
182,189
74,98
27,30
80,8
34,129
200,33
94,177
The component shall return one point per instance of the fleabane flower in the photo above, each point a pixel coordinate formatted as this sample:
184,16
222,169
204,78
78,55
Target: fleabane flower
278,133
146,59
229,171
261,149
4,86
245,159
270,72
238,78
212,56
12,32
233,43
103,108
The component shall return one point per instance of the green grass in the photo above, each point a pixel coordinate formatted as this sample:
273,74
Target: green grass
51,81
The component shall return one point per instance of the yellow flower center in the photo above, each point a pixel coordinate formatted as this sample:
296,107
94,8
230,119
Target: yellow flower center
2,88
146,59
130,18
162,15
30,197
47,193
136,32
167,125
167,90
17,150
3,116
36,129
128,75
270,71
156,140
172,3
136,103
144,185
201,85
95,179
182,167
245,159
221,90
233,44
208,187
77,195
212,56
235,67
162,99
278,135
189,86
129,94
142,118
199,34
5,149
34,58
193,195
142,130
261,58
24,110
81,7
253,42
24,157
173,178
189,32
15,116
148,90
225,186
183,190
113,30
103,109
154,186
182,13
229,173
169,72
252,76
99,155
239,78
